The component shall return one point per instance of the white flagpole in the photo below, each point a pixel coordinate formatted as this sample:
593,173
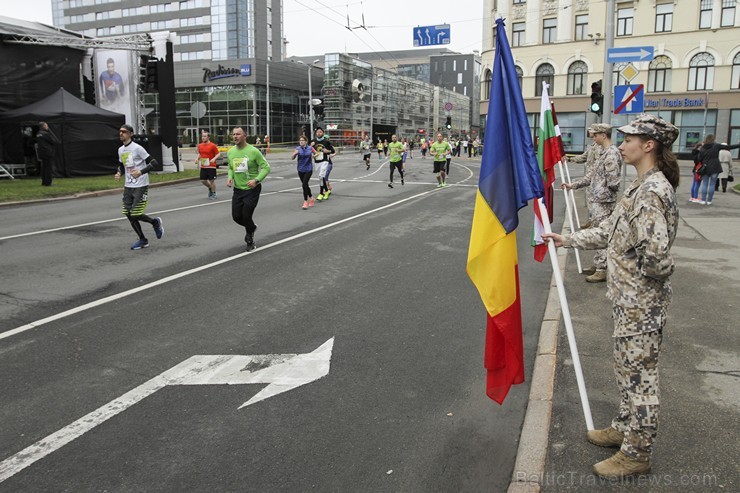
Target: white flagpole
572,197
566,318
570,214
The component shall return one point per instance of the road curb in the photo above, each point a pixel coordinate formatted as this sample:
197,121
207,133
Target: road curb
99,193
529,468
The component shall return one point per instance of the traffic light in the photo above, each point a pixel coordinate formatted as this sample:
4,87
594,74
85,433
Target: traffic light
448,124
597,98
152,76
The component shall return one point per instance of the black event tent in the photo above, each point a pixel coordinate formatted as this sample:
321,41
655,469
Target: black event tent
88,134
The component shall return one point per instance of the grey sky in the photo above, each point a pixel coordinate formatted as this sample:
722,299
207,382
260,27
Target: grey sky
319,26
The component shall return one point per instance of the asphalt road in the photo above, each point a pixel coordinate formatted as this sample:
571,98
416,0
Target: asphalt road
402,407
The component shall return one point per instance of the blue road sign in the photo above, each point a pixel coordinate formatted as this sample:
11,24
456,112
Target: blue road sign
629,99
630,54
431,35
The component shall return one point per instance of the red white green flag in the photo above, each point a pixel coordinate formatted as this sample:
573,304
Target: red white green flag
549,153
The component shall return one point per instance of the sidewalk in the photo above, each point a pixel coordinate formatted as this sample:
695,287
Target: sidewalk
697,447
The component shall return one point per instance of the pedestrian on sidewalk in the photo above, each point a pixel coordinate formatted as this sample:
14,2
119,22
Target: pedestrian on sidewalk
247,169
696,183
207,154
46,143
304,153
709,155
638,238
602,180
725,159
136,164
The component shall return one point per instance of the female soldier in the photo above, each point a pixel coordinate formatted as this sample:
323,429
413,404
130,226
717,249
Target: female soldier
638,238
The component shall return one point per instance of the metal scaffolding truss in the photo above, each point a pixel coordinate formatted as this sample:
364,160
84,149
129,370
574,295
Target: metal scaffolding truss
133,42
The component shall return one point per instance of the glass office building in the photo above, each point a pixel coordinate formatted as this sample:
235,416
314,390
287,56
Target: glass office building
359,98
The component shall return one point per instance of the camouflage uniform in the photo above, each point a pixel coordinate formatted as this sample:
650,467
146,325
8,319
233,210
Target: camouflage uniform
638,237
602,180
589,158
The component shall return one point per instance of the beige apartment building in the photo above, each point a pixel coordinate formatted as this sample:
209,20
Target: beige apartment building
693,79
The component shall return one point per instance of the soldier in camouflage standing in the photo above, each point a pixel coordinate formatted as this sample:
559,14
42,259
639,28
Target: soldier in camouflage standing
638,238
588,158
602,180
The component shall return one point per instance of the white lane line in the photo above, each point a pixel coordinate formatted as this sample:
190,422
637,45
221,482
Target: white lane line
176,209
118,296
184,208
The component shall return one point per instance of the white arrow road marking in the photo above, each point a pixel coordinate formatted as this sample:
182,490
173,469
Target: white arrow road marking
282,372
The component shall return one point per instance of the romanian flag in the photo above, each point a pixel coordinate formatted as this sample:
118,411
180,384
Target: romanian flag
550,151
509,178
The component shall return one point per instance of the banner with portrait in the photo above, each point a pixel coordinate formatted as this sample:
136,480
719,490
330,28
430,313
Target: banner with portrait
115,86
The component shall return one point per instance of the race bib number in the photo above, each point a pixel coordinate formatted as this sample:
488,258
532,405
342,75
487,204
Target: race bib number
204,162
241,165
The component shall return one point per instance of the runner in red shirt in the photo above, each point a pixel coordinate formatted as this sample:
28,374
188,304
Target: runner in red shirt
207,154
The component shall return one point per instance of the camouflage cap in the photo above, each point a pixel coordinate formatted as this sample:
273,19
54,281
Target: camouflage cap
652,126
600,128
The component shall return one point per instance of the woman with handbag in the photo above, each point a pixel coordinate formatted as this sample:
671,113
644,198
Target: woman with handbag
725,159
709,156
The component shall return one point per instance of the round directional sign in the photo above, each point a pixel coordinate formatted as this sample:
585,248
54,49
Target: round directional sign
198,110
448,106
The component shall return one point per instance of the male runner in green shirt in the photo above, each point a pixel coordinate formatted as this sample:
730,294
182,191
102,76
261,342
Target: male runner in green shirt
396,150
247,168
439,150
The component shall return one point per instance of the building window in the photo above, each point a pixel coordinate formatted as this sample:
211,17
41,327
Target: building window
516,2
664,18
577,78
701,72
659,75
705,14
517,34
735,83
519,76
549,30
487,77
545,73
624,21
728,13
581,27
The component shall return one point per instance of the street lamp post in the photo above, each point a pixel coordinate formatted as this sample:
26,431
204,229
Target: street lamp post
310,92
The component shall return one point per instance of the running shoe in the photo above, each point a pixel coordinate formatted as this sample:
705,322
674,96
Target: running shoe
159,228
327,193
311,202
305,205
249,239
212,196
368,165
440,185
390,185
140,244
401,181
320,197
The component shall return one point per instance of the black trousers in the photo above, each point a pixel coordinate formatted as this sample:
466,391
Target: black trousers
47,166
243,204
305,177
